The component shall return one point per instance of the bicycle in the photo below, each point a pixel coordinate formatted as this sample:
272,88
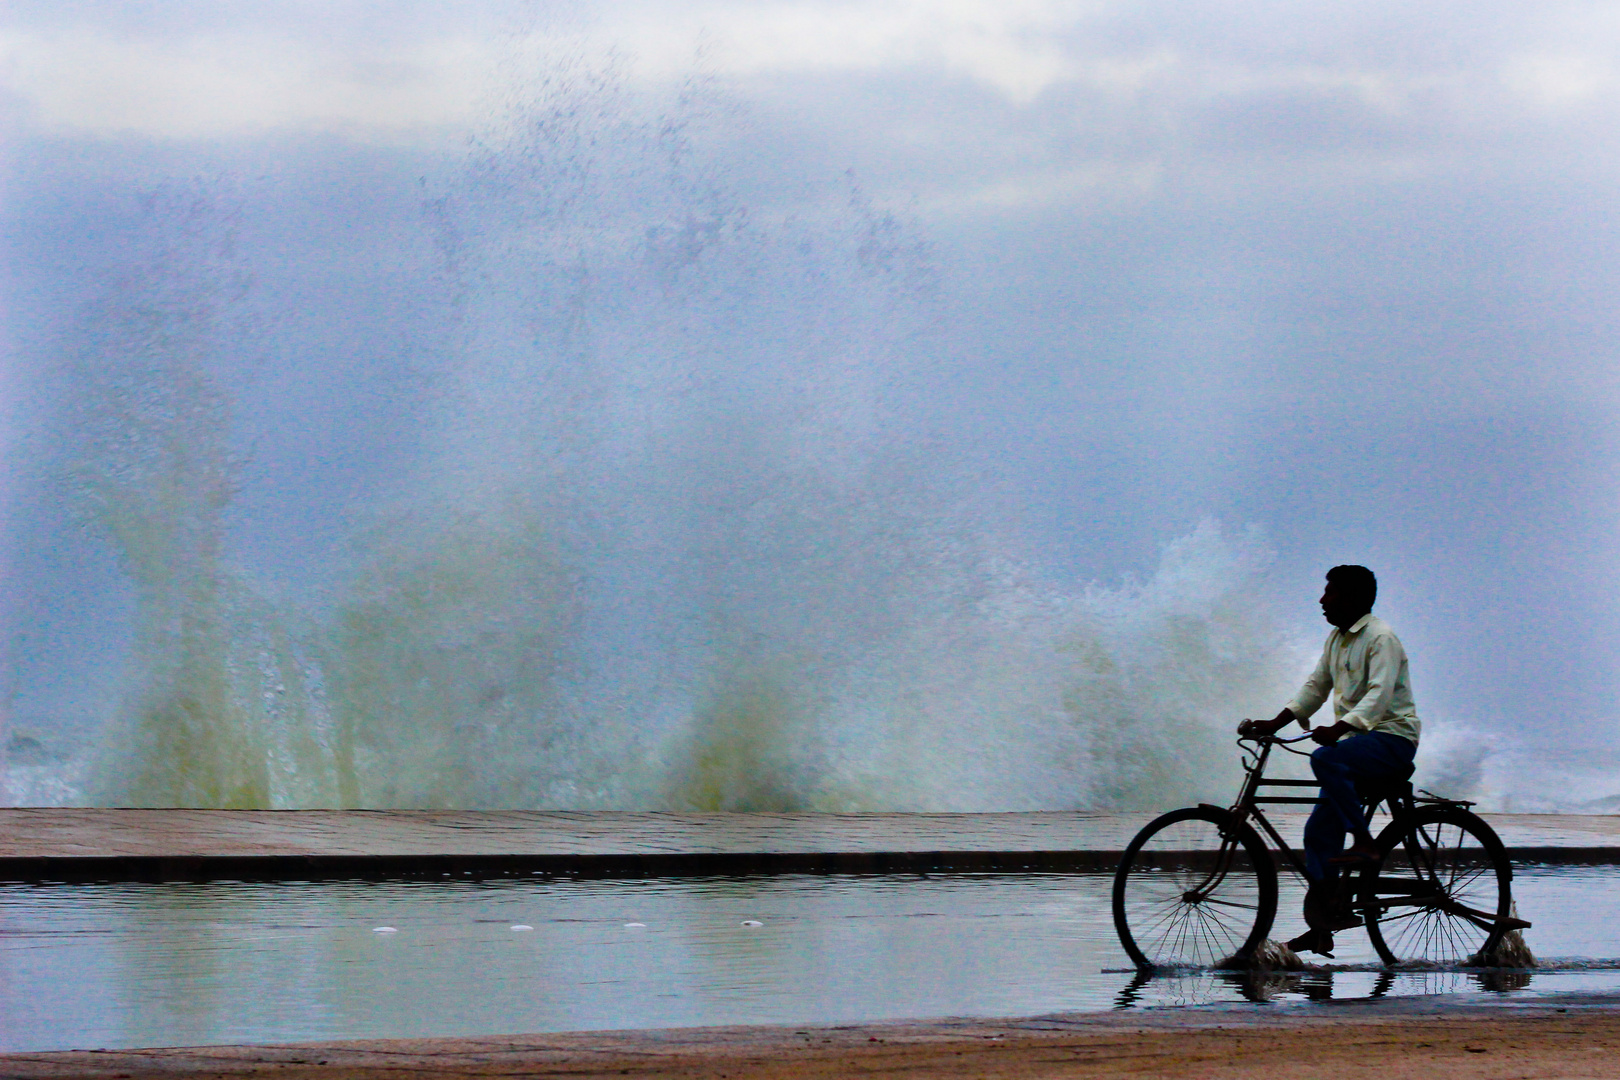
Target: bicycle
1197,887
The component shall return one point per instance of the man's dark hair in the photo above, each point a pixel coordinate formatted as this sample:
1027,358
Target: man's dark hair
1356,583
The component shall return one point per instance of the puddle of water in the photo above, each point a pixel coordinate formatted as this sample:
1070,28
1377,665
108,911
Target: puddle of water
191,964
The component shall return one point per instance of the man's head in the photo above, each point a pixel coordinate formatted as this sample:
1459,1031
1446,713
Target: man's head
1349,595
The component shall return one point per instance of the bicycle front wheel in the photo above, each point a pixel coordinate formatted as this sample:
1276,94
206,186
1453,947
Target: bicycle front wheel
1444,885
1194,889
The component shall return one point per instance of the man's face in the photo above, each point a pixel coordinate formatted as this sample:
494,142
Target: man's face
1337,610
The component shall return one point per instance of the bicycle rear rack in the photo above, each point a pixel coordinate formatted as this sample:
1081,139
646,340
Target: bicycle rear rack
1432,799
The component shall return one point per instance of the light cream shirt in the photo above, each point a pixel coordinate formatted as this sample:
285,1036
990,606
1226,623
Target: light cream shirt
1365,668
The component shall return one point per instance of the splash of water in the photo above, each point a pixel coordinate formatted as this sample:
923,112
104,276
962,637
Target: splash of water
679,538
207,720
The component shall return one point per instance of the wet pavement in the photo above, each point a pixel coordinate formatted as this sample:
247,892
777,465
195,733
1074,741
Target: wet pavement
111,844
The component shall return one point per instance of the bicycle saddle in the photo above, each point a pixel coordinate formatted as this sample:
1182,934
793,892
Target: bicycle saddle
1399,785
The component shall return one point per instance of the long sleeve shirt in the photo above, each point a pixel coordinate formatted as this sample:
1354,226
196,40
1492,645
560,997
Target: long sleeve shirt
1365,668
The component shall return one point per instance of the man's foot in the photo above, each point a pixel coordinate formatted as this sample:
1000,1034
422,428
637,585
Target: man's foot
1314,940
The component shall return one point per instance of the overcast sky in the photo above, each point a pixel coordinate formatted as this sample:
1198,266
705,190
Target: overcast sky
1346,272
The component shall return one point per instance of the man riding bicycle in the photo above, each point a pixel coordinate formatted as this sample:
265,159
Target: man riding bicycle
1364,665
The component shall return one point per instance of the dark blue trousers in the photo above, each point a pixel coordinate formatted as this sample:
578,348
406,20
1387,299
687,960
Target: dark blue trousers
1372,755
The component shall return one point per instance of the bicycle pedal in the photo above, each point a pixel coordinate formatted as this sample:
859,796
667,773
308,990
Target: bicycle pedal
1316,941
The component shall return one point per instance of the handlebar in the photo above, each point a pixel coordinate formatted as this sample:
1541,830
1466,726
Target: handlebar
1274,738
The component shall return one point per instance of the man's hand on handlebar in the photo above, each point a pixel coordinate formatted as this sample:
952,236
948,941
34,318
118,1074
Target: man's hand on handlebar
1332,733
1260,729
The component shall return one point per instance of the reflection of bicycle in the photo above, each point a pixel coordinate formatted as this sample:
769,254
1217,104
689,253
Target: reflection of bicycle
1198,888
1208,988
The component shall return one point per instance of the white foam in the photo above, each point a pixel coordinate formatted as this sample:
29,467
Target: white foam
682,539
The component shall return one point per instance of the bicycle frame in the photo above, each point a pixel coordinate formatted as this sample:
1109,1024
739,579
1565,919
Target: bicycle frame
1249,800
1248,808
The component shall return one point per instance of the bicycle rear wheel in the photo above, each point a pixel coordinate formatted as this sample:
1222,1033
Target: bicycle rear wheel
1441,891
1194,889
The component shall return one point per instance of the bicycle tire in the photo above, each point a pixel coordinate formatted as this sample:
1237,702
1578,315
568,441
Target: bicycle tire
1437,861
1225,870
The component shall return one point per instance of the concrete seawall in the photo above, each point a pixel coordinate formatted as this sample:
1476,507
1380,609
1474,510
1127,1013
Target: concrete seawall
74,844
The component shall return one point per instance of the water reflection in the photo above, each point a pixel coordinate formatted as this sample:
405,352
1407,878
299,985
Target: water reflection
189,964
1184,988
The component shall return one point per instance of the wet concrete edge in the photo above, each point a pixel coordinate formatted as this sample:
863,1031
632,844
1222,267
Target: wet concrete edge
159,868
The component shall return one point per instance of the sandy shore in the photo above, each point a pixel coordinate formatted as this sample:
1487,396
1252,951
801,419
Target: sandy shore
1393,1041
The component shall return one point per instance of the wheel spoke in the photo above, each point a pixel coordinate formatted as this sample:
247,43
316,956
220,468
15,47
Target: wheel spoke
1447,848
1187,894
1230,904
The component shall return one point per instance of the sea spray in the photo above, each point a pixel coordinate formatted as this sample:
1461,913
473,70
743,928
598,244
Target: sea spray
748,747
222,708
680,534
1163,668
443,659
